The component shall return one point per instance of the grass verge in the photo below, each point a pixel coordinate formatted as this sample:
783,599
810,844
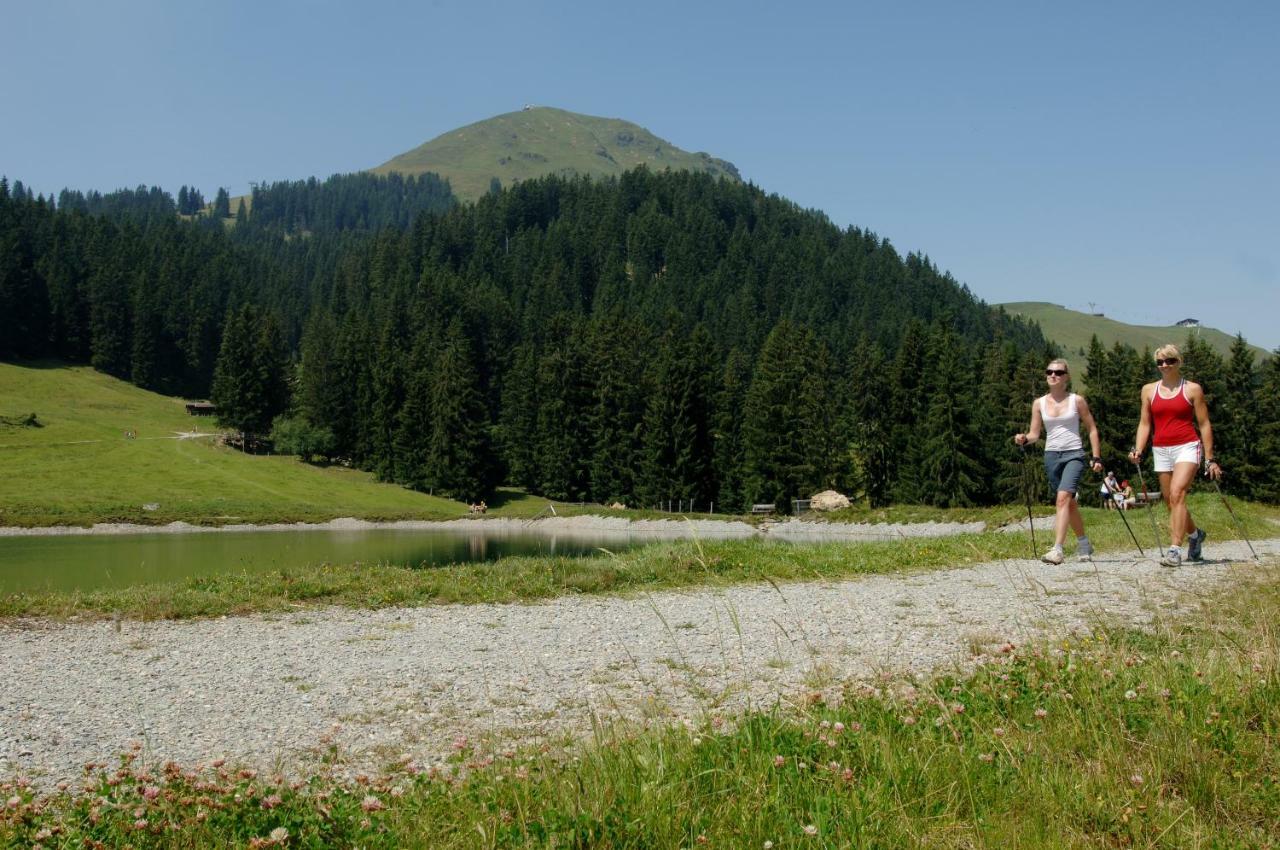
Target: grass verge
1159,738
658,566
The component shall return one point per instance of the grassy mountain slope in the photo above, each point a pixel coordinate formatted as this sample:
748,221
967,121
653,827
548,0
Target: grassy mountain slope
540,140
80,468
1073,330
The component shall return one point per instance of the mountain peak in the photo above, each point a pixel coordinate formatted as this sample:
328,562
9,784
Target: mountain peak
541,140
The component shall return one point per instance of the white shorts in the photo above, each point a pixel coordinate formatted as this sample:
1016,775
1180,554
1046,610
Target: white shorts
1165,457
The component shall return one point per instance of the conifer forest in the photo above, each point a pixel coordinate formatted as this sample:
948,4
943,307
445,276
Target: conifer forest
651,338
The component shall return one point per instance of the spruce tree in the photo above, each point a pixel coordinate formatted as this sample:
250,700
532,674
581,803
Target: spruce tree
222,205
728,453
518,423
774,431
1236,423
388,397
1268,434
109,321
617,408
870,420
413,425
952,475
460,461
237,391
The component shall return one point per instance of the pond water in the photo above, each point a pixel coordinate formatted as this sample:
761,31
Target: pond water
90,562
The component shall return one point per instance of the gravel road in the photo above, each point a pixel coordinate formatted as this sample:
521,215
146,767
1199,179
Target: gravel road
269,691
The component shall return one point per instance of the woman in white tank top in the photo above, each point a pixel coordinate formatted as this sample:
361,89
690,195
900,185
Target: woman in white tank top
1061,414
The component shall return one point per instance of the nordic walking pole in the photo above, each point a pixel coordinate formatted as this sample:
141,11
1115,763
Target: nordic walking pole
1239,524
1026,491
1151,511
1120,510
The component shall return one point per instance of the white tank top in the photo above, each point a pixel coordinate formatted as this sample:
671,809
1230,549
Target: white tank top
1061,433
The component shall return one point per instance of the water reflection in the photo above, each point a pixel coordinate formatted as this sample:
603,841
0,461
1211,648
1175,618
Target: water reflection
88,562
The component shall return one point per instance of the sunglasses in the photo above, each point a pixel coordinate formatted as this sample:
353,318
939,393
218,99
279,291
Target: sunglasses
1171,361
1058,372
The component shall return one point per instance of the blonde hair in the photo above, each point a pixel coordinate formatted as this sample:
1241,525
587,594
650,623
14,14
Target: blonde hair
1166,351
1066,366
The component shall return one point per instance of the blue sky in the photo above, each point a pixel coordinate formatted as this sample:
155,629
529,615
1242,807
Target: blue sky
1125,154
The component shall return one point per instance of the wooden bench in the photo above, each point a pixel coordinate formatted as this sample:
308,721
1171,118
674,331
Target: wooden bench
763,509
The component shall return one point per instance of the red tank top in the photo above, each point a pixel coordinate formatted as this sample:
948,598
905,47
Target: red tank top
1173,419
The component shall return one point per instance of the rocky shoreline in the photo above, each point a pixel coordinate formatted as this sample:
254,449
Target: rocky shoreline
662,529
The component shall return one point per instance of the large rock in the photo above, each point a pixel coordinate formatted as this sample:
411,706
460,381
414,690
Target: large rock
828,500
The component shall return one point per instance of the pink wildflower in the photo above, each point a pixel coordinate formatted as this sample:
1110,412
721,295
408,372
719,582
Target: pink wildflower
779,761
1136,779
1041,713
372,804
810,829
270,802
150,792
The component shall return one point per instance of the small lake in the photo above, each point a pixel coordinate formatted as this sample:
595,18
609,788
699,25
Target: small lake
90,562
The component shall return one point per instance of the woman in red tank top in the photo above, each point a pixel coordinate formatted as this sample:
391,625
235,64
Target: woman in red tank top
1172,410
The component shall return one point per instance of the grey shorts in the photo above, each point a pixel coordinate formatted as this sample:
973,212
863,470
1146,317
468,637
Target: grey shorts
1064,470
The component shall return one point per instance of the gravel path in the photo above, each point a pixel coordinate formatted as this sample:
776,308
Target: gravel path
270,691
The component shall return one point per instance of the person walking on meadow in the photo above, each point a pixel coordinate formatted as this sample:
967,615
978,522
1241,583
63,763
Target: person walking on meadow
1172,409
1061,413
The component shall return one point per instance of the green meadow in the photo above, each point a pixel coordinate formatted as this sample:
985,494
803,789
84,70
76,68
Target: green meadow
78,467
1073,330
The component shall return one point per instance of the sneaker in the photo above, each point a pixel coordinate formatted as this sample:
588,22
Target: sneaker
1084,552
1173,558
1194,542
1053,556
